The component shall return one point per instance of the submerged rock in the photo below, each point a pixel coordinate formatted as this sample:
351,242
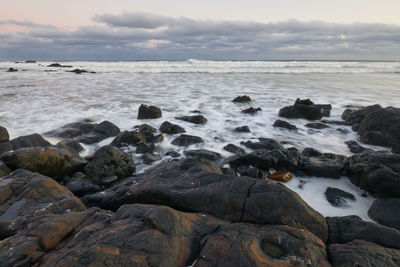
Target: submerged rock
317,125
149,158
242,129
196,119
242,99
337,197
251,110
284,124
12,70
305,109
187,140
386,212
203,153
149,112
355,147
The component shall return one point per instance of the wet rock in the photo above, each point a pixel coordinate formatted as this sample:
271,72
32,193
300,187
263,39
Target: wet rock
349,228
251,172
58,65
196,119
234,149
281,176
81,187
363,253
269,245
30,61
12,70
355,147
228,171
203,153
149,112
173,154
128,138
4,170
50,161
317,125
79,71
145,128
354,117
100,132
386,212
345,123
376,172
5,144
242,129
337,197
323,164
169,128
305,109
251,110
143,147
32,140
198,185
187,140
242,99
72,130
284,124
264,143
108,161
149,158
70,144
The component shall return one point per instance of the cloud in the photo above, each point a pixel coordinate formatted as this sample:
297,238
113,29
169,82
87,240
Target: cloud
148,36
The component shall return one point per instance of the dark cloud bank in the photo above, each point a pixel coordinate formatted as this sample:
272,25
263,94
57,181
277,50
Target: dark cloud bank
143,36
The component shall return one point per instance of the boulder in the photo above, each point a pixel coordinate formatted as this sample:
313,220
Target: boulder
12,70
145,128
251,171
322,164
99,132
234,149
187,140
80,71
337,197
143,147
242,99
196,119
58,65
72,130
317,125
305,109
386,212
5,144
349,228
284,124
263,143
363,253
355,117
149,112
109,161
80,186
242,129
355,147
251,110
70,144
32,140
49,161
169,128
4,170
173,154
203,153
128,138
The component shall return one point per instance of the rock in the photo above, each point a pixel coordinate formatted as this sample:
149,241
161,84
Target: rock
251,110
251,172
363,253
337,197
242,129
49,161
323,164
30,61
346,123
70,144
203,153
242,99
143,147
317,125
386,212
234,149
196,119
12,70
284,124
149,112
349,228
149,137
376,172
268,245
100,132
169,128
149,158
108,161
81,187
198,185
173,154
145,128
5,144
281,176
128,138
355,147
305,109
264,143
32,140
58,65
72,130
354,117
79,71
4,170
187,140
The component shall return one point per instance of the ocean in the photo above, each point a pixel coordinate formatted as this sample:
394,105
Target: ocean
37,99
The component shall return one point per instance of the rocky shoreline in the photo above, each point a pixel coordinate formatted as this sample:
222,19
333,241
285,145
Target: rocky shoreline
199,208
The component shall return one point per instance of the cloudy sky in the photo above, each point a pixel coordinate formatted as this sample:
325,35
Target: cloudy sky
182,29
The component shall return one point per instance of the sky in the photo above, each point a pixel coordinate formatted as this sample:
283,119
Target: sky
183,29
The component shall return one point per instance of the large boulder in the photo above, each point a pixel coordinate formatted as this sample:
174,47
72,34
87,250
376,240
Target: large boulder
305,109
108,161
386,212
72,130
148,112
100,132
32,140
49,161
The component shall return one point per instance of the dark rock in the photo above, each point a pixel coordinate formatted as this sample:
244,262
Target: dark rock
242,129
196,119
284,124
346,123
32,140
149,158
4,136
363,253
71,144
337,197
386,212
128,138
50,161
145,128
203,153
228,171
143,147
72,130
4,170
149,112
317,125
81,187
355,147
343,131
79,71
242,99
12,70
234,149
150,137
108,161
30,61
251,172
5,144
264,143
100,132
169,128
305,109
376,172
173,154
354,117
251,110
323,164
58,65
187,140
349,228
